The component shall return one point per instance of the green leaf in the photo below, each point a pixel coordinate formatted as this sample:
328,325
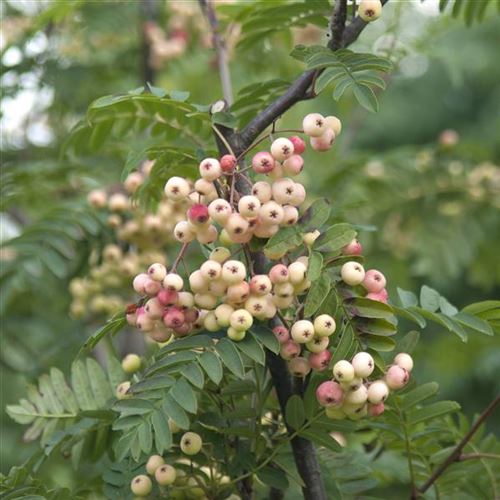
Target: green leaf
474,323
145,436
419,394
285,239
239,387
314,266
184,395
175,412
266,337
81,386
230,357
225,118
152,383
295,413
113,326
98,382
194,374
64,393
411,315
367,308
317,294
212,366
407,298
48,394
171,361
133,406
334,238
382,344
186,343
432,411
358,486
480,307
321,439
408,342
316,215
429,298
162,435
379,327
345,345
273,477
446,307
330,304
252,348
366,97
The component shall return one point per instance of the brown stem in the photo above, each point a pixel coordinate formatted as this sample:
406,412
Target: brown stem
148,15
455,454
179,257
337,24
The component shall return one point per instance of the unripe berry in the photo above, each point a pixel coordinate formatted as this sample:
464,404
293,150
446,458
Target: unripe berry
218,287
236,225
208,235
222,314
198,214
210,270
144,323
324,325
299,195
404,361
357,397
343,371
289,350
210,169
260,284
183,232
263,162
353,248
238,292
165,475
118,202
352,273
381,296
97,198
249,206
141,485
353,385
173,281
157,272
299,367
210,322
151,287
396,377
319,361
256,306
191,443
133,181
160,333
131,363
271,308
241,320
324,142
236,335
293,165
282,302
139,283
314,125
220,254
154,461
318,344
282,148
302,331
363,364
167,297
334,123
263,191
299,145
121,390
177,188
233,272
374,281
281,333
355,412
376,410
197,282
220,210
173,317
228,164
378,392
310,238
191,315
205,300
369,10
185,300
283,191
271,213
335,413
266,231
290,215
283,290
329,393
204,188
279,274
174,428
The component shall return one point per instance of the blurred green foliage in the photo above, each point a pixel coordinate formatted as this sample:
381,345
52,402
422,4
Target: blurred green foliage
428,211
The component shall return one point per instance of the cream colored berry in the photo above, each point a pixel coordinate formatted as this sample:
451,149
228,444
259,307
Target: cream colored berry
205,300
210,322
262,191
183,232
314,124
141,485
318,344
343,371
173,281
233,271
283,191
290,215
282,148
271,213
220,254
236,335
302,331
334,123
378,392
223,314
154,461
241,320
352,273
197,282
191,443
220,210
357,397
210,169
363,364
177,188
404,361
324,325
211,270
297,272
165,475
131,363
121,390
249,206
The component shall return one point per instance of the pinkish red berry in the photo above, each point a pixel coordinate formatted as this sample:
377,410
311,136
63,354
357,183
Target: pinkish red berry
173,317
376,410
396,377
263,162
381,296
167,297
281,333
198,214
299,145
353,248
289,350
228,163
374,281
329,393
319,361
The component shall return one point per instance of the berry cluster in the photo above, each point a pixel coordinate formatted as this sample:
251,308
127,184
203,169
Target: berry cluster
351,394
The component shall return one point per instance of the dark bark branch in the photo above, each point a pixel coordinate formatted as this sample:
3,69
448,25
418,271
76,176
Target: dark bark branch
220,49
147,15
455,454
298,90
337,24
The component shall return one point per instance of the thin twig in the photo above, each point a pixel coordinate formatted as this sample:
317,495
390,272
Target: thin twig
223,139
179,257
220,49
455,454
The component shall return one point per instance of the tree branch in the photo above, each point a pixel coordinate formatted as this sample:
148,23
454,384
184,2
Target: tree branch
298,90
147,15
337,24
454,456
220,49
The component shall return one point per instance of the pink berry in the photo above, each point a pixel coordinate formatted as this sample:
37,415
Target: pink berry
198,213
281,333
319,361
279,274
299,145
139,282
396,377
228,163
167,297
173,318
376,410
353,248
329,393
151,287
374,281
263,162
293,165
381,296
323,142
260,284
289,350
